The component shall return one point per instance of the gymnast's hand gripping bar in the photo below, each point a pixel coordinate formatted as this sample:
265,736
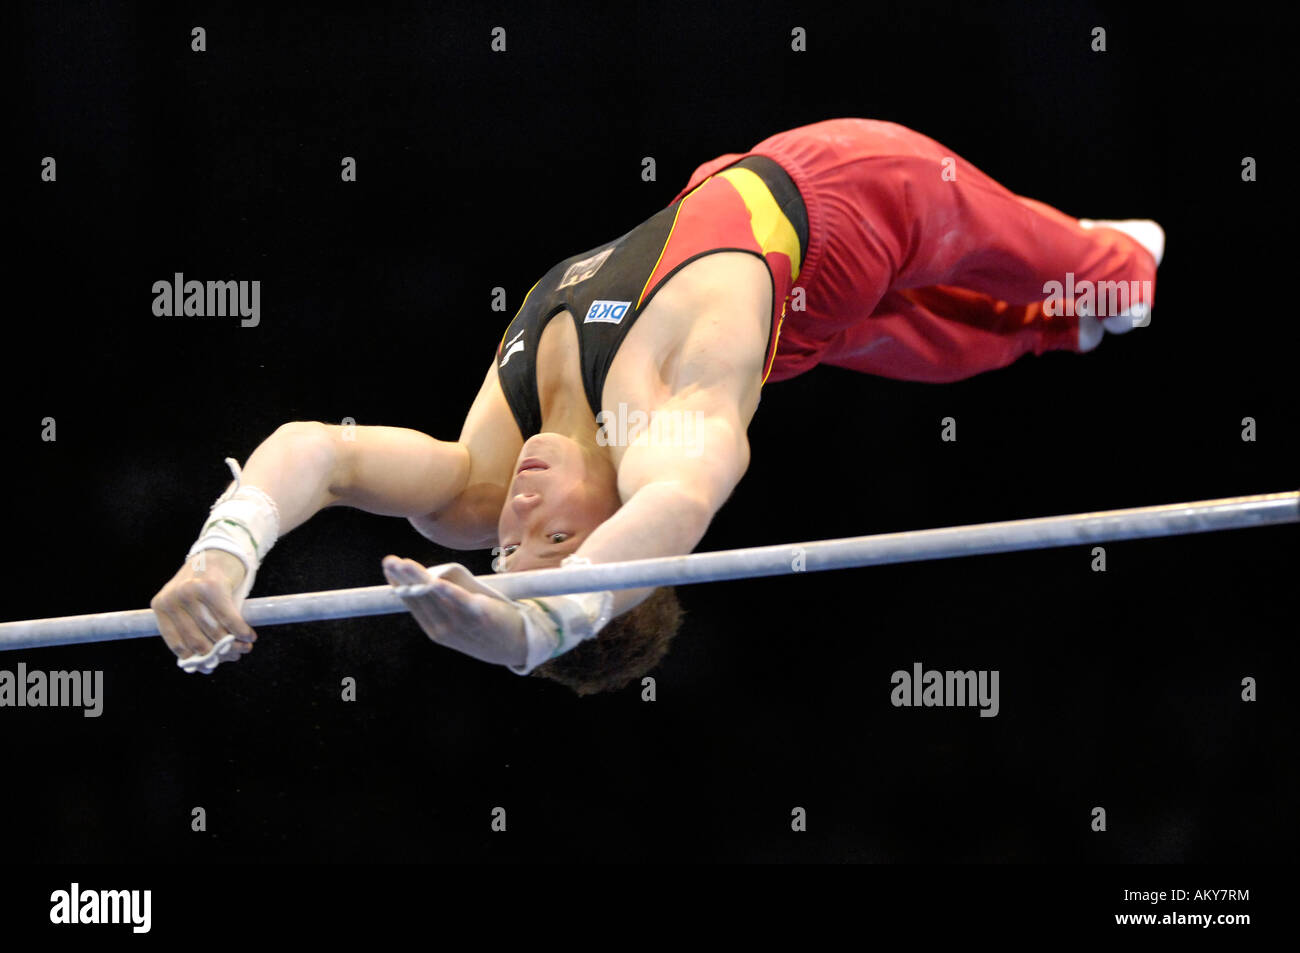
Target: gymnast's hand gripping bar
1174,519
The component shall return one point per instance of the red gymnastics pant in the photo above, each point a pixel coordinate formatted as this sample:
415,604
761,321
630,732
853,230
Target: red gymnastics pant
919,266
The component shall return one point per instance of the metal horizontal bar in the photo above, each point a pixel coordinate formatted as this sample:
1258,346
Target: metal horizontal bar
1174,519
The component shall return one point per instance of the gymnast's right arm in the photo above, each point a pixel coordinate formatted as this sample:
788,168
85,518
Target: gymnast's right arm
295,473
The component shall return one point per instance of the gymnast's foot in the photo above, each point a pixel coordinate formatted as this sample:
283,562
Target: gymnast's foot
1150,236
1092,330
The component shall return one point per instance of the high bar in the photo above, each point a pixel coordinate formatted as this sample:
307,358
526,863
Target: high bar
1174,519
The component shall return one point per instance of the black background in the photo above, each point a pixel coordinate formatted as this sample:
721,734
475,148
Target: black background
478,170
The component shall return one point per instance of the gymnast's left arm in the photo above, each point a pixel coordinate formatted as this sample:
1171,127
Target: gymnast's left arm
672,488
685,465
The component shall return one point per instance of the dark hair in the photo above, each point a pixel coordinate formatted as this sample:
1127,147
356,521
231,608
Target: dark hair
628,647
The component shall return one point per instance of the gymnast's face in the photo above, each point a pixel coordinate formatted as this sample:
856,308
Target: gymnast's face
561,491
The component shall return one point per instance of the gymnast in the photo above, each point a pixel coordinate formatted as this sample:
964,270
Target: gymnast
850,242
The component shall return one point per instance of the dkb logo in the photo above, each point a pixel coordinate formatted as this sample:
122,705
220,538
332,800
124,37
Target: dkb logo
607,312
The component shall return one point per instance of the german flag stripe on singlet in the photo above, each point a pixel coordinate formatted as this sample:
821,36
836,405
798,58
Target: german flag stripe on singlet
750,206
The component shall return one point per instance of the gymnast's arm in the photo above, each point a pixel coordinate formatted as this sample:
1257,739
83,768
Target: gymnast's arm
672,491
305,467
450,491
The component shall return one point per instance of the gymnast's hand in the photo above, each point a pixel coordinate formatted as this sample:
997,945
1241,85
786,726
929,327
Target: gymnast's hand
485,628
196,609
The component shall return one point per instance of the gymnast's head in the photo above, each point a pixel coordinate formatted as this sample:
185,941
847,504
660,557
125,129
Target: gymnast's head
560,493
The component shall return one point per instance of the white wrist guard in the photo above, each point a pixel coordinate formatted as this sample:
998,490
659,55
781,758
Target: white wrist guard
556,624
243,522
552,625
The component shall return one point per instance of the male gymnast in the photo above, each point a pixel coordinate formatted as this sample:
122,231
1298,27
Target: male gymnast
850,242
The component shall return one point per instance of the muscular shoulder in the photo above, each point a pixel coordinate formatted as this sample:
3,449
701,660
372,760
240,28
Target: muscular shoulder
721,276
717,316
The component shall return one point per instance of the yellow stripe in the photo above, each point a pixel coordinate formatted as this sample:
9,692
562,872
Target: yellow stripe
776,340
517,313
772,230
664,248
